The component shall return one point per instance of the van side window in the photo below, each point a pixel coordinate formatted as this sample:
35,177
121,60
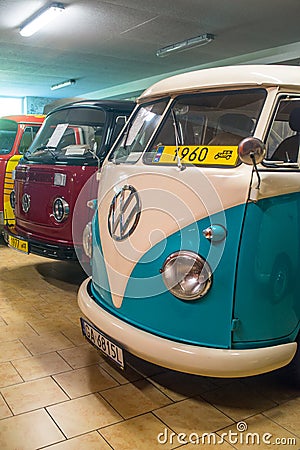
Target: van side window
8,133
284,138
27,138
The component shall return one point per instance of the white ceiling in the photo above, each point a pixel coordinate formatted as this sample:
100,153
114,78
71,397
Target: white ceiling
108,46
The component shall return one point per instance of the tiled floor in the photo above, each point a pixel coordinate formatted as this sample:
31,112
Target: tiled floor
57,392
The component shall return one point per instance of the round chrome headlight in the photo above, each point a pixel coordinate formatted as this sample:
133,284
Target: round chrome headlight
186,275
12,199
61,209
87,240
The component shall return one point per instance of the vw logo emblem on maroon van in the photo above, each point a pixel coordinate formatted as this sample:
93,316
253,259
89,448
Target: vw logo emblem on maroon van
26,203
124,213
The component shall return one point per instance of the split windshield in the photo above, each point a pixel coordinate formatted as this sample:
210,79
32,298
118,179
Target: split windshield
194,129
8,132
71,135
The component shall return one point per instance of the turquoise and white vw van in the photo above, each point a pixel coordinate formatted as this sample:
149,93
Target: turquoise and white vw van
195,240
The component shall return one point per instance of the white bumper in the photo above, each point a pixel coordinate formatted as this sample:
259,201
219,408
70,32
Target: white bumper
193,359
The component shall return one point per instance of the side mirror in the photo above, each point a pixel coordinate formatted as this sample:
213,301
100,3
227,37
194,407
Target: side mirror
251,150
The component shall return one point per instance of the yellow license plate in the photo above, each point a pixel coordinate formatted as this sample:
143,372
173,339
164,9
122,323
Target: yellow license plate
213,155
18,244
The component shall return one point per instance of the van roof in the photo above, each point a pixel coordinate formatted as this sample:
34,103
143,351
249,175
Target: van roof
223,77
108,105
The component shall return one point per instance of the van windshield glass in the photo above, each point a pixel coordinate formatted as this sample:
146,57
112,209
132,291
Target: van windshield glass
205,129
8,132
138,132
197,129
69,135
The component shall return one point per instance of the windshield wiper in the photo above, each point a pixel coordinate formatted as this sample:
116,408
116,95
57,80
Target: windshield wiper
179,163
48,148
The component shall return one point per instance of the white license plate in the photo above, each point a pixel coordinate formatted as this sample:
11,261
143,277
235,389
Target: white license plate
104,344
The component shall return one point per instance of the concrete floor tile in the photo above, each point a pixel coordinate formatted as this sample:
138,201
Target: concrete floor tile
16,331
83,415
4,409
81,356
33,395
179,386
29,431
90,441
193,415
86,380
237,400
8,375
46,343
138,433
40,366
278,386
135,398
121,376
287,415
259,432
12,350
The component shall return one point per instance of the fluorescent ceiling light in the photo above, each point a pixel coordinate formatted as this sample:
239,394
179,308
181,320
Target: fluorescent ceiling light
185,45
63,84
41,18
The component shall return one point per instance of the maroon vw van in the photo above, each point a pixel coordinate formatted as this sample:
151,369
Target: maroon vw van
50,177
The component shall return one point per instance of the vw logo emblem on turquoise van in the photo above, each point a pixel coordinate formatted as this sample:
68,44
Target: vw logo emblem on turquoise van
124,213
26,203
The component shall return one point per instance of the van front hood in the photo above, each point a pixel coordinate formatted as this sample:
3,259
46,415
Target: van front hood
42,185
145,215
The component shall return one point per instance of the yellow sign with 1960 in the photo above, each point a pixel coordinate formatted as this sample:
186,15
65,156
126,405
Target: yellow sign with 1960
197,155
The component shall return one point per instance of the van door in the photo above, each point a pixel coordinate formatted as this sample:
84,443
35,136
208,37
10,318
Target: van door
266,301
